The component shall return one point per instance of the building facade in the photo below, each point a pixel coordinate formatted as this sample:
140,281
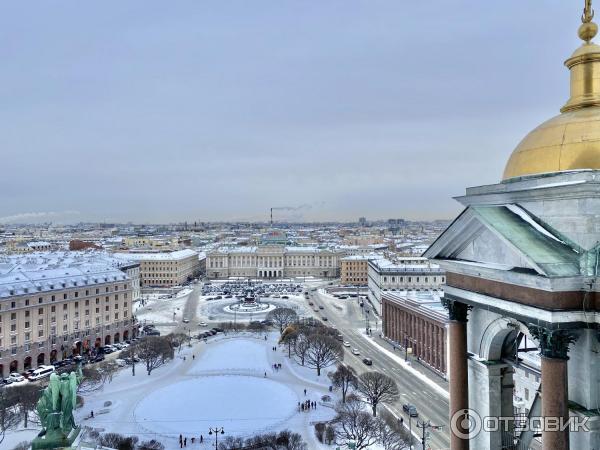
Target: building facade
166,269
354,270
417,322
273,261
47,314
402,274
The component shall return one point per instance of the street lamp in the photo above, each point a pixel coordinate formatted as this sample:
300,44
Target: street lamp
217,431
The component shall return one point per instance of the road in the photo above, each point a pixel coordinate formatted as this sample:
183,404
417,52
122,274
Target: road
430,404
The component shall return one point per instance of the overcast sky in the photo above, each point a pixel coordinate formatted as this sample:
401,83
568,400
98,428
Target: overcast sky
156,111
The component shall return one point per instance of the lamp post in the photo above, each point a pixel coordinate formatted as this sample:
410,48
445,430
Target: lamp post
216,431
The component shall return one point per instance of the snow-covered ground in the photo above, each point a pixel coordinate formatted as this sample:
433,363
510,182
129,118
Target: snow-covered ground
214,310
229,382
165,313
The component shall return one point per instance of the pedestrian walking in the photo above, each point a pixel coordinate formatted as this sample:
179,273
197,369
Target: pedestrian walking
201,439
265,374
304,391
92,414
193,356
180,439
185,442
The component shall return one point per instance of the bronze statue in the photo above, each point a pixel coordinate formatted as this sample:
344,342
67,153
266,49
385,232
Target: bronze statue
55,409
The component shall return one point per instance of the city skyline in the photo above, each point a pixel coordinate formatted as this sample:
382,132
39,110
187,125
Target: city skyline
217,112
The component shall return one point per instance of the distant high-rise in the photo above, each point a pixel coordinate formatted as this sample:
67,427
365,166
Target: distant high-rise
362,221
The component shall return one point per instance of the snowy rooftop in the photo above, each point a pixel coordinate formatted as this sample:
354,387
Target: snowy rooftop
427,302
164,256
405,265
50,271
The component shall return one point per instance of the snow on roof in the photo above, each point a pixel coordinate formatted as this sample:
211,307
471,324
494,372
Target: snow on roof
163,256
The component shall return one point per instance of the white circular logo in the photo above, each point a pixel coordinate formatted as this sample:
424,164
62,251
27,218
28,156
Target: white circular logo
465,424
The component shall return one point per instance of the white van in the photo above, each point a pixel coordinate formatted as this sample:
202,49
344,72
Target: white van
41,372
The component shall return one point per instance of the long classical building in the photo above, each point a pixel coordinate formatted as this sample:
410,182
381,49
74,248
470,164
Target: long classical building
164,269
417,320
273,261
48,312
404,273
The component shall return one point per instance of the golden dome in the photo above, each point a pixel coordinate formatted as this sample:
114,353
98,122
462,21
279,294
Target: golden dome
571,140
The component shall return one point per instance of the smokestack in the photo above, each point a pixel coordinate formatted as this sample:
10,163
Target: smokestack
271,217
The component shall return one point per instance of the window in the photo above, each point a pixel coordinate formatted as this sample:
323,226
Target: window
40,333
64,306
26,313
76,294
41,321
26,302
53,309
13,304
41,311
53,298
64,296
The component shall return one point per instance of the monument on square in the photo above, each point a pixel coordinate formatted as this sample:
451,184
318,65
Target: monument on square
55,409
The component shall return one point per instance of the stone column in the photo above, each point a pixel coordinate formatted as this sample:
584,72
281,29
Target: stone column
554,347
458,371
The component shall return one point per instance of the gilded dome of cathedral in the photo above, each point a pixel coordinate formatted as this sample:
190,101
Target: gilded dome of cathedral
571,140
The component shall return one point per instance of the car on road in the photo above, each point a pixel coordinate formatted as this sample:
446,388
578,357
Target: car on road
202,324
186,320
99,358
367,361
346,344
16,377
321,307
411,410
311,304
324,319
355,351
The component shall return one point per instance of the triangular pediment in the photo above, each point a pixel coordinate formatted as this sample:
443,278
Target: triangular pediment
506,237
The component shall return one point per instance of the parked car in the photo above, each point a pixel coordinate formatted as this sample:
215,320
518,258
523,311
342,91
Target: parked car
355,351
202,324
311,304
16,377
321,307
411,410
346,344
324,319
367,361
107,350
153,333
186,320
99,358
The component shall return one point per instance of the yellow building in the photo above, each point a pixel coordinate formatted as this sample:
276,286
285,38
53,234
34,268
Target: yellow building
354,270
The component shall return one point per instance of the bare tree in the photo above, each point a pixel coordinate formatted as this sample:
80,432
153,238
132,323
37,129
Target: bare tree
9,414
323,351
377,388
26,397
354,423
301,346
153,351
282,317
344,378
151,445
96,375
177,340
391,436
290,340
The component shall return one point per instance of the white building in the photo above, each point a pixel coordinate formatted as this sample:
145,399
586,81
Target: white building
404,273
273,261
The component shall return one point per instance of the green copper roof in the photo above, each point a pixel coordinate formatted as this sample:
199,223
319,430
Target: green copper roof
546,250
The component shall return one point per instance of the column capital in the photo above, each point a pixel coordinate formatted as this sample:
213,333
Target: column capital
553,343
457,311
